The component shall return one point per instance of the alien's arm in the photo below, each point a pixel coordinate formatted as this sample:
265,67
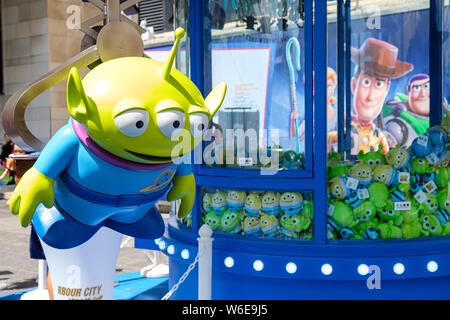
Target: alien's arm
37,184
183,188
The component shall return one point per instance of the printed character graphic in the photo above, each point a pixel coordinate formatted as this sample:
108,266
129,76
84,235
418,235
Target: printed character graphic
407,115
376,64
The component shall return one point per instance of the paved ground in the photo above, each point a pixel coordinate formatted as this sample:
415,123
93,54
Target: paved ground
18,272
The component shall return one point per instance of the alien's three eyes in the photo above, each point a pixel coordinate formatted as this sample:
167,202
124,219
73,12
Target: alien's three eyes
134,122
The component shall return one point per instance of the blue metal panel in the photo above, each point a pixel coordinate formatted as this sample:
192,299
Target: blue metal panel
340,74
436,61
309,83
255,184
196,47
320,119
348,77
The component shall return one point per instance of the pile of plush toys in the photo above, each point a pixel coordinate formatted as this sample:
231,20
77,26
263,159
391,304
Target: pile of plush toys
404,194
265,214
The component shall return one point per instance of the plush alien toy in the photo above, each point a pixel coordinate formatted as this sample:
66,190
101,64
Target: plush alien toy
292,225
365,211
361,172
398,157
219,202
253,205
271,203
251,225
389,231
432,226
236,200
378,194
270,226
442,175
388,213
213,220
386,174
291,203
118,154
372,158
430,205
206,202
231,221
338,188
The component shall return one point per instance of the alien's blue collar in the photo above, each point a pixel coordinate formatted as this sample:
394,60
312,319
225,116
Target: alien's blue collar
107,156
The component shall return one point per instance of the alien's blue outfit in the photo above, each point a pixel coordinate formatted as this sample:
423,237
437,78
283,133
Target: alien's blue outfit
95,188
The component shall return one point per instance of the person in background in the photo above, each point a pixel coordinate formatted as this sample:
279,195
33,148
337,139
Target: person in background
7,149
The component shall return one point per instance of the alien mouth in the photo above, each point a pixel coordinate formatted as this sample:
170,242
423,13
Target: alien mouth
150,157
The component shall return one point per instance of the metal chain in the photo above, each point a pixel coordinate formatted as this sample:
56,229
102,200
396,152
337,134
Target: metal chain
183,277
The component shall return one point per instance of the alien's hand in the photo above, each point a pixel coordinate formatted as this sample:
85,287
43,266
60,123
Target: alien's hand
184,189
34,188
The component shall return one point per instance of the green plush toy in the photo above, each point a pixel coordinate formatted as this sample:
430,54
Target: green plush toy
388,213
270,226
442,175
219,202
361,172
342,214
231,221
213,220
206,202
372,158
291,226
253,204
251,225
398,157
389,231
365,212
378,195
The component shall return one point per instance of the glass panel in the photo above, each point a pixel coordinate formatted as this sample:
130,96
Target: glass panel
257,48
268,214
399,190
446,49
332,78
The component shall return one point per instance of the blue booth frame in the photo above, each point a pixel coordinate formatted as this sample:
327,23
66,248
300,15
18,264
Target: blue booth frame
317,269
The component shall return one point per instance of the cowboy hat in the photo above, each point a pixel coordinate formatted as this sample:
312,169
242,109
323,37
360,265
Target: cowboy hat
379,58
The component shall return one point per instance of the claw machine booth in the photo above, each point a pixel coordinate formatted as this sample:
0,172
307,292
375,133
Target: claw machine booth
325,173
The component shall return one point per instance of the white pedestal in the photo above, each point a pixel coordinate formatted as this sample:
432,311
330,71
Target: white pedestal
87,271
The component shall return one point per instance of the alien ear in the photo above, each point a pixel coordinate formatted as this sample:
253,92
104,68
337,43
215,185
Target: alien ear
215,98
78,102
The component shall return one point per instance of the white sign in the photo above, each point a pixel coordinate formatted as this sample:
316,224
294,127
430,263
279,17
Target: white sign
402,206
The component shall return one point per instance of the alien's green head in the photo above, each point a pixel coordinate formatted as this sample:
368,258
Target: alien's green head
443,198
213,220
431,225
430,205
388,213
361,172
219,201
269,224
420,165
372,158
253,204
230,220
140,109
365,212
397,157
271,203
236,200
207,200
